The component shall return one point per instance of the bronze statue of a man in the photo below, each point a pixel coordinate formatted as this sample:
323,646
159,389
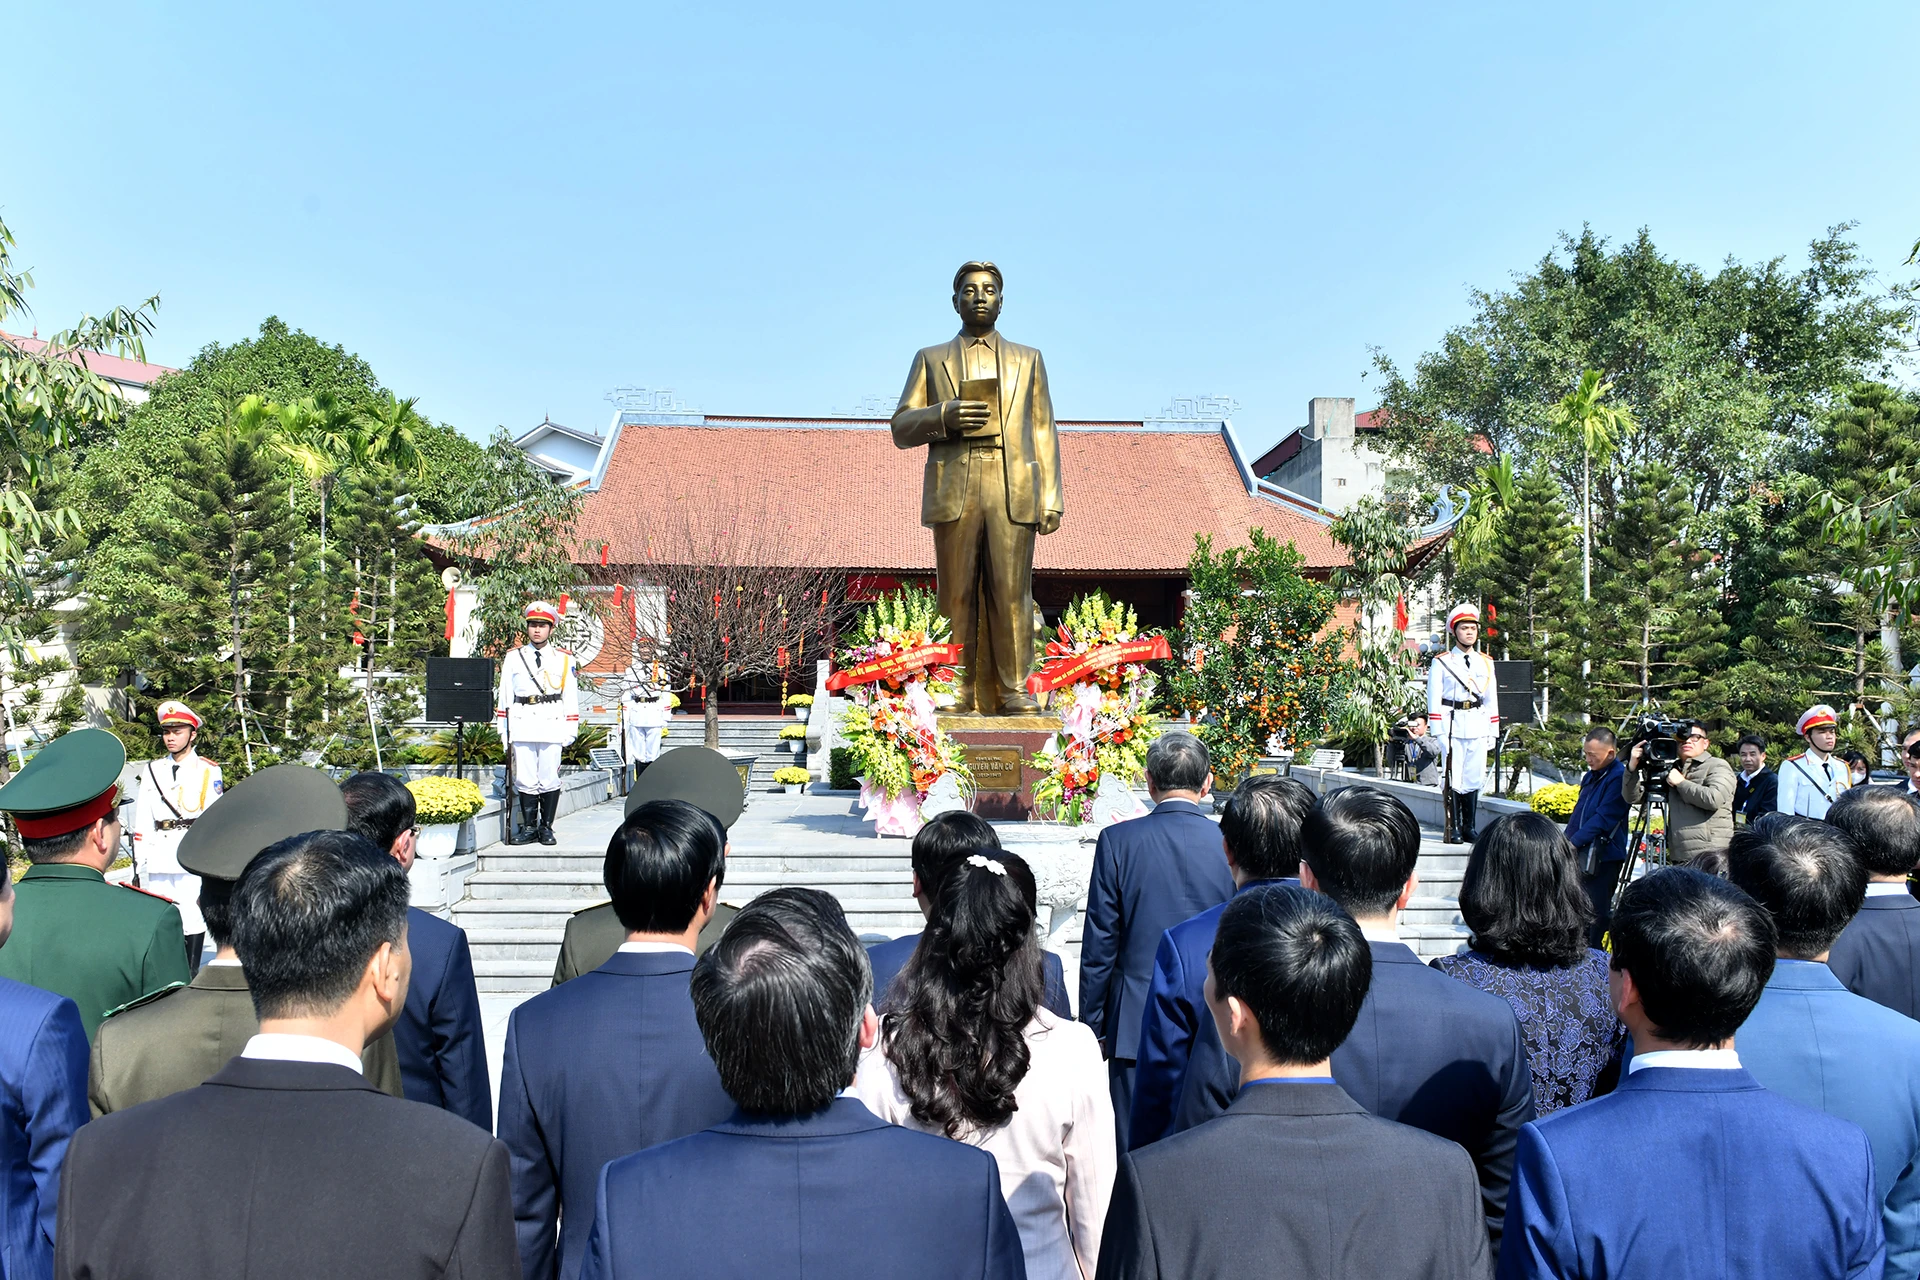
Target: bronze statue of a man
980,405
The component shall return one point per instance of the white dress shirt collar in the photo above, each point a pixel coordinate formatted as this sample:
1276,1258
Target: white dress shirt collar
1885,888
654,948
223,962
1379,931
279,1047
1694,1059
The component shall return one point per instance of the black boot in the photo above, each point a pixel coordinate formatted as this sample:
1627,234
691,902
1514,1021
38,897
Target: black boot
1468,801
549,806
529,820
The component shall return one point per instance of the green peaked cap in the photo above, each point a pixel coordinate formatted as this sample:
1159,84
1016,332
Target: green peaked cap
264,809
70,773
701,776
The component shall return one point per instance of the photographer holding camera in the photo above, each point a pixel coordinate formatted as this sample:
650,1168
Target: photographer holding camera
1699,787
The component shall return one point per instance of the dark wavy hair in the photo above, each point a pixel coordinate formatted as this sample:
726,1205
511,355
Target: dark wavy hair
958,1011
1522,894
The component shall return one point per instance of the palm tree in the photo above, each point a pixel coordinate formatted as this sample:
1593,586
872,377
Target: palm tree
1600,427
384,435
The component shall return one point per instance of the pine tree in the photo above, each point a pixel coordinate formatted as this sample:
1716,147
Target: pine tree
384,598
1530,577
207,618
1820,630
1657,638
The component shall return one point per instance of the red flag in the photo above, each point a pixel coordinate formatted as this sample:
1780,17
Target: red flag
603,555
1400,619
563,603
619,593
1492,613
449,615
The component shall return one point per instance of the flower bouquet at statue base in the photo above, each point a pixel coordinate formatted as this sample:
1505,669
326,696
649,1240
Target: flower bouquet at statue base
895,672
1096,674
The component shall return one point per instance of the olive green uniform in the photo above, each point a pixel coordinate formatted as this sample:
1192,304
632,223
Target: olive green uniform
175,1039
595,934
101,945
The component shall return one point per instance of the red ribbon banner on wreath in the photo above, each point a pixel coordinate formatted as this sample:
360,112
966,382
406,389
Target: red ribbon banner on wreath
1070,668
894,665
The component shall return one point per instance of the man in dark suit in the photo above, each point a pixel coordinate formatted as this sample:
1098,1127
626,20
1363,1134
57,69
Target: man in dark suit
178,1038
940,846
442,1043
1149,874
1690,1168
1811,1039
1428,1050
1344,1193
287,1163
706,780
1597,827
43,1076
1878,954
819,1185
612,1062
1756,788
1260,828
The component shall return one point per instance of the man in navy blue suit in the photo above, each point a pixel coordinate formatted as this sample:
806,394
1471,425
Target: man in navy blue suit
43,1073
1597,827
1148,875
1261,831
940,846
1428,1050
814,1183
1690,1167
1813,1040
612,1062
1878,954
442,1043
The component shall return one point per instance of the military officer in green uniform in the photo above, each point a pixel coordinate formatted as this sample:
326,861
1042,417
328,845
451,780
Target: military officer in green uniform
704,779
100,945
175,1039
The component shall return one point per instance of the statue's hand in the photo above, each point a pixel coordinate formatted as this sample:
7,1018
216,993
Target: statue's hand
962,416
1049,521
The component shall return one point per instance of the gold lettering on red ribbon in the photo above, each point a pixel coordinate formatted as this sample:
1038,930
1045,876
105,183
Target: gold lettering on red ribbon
1071,668
894,665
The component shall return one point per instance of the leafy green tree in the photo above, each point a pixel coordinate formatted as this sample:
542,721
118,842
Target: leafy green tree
1657,640
1384,687
50,398
1255,659
1584,415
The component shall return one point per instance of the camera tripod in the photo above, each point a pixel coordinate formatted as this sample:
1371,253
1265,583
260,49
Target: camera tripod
1646,844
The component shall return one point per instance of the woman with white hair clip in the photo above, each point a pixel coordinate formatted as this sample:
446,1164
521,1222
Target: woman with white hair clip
967,1050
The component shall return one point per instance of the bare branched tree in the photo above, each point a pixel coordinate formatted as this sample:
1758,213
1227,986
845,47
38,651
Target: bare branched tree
727,589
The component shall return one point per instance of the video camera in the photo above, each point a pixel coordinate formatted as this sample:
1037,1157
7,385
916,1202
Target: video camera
1659,741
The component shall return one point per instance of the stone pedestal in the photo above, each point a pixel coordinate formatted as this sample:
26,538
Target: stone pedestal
997,749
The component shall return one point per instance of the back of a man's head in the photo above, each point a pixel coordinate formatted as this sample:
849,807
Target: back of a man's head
780,999
1699,951
1362,845
1261,825
1807,875
307,916
1300,965
379,807
945,840
660,862
1885,826
1178,762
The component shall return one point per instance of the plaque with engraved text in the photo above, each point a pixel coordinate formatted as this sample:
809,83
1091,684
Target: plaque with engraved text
994,768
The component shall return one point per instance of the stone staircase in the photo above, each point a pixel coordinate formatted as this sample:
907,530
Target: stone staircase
1431,923
758,734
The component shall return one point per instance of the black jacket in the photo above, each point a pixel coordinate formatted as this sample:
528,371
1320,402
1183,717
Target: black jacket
284,1169
1296,1180
1751,799
1878,954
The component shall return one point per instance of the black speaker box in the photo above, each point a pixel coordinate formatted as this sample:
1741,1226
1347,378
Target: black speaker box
459,689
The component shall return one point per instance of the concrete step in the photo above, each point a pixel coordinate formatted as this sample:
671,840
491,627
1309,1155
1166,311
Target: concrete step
557,858
1423,911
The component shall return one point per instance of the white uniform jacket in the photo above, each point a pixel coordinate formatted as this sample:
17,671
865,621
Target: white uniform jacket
539,700
1809,786
1462,676
644,706
165,800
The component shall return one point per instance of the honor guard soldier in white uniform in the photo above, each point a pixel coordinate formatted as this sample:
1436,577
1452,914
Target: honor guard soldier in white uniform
1463,718
539,699
645,708
1811,781
174,792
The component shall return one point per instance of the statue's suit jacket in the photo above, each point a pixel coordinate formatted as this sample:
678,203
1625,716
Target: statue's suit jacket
290,1170
176,1039
1029,443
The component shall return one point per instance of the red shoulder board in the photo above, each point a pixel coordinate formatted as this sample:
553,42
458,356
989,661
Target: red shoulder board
150,893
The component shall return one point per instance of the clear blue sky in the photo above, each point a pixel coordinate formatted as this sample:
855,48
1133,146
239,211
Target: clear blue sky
511,209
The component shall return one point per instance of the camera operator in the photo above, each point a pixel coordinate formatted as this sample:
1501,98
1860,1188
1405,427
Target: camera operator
1422,753
1699,794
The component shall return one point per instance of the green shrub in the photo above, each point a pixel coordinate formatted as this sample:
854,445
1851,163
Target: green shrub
840,770
1556,800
